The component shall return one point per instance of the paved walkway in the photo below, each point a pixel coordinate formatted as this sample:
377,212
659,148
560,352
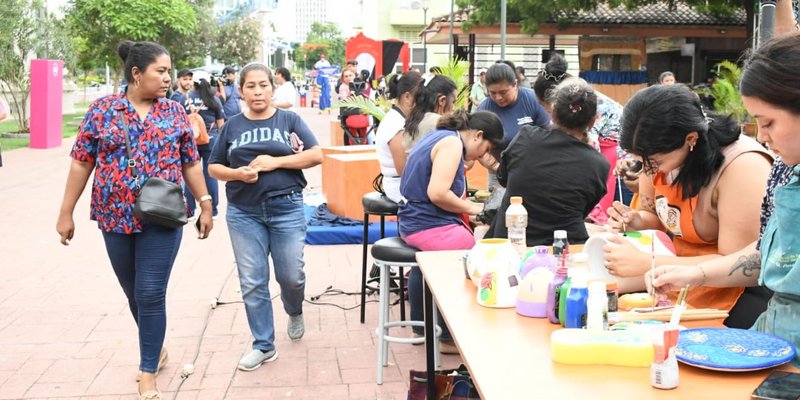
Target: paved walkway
66,332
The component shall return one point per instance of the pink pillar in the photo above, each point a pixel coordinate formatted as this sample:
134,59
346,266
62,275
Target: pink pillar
46,97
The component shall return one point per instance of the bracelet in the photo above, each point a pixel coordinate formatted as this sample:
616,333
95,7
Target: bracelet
700,267
205,197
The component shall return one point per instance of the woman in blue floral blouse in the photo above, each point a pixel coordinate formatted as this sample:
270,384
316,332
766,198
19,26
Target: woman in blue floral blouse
163,146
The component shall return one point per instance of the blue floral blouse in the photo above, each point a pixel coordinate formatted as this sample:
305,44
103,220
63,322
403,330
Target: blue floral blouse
161,144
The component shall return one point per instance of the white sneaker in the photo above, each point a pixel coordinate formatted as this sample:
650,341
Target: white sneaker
255,358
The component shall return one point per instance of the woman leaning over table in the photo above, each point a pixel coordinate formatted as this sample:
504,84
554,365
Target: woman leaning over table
433,186
261,153
771,93
162,144
702,183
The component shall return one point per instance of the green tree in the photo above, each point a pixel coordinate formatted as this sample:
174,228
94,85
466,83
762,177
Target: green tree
237,40
27,32
323,38
532,13
190,49
103,24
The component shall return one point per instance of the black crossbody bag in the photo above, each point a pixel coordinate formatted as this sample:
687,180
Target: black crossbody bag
160,201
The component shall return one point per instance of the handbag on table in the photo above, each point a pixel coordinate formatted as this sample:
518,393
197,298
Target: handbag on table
160,201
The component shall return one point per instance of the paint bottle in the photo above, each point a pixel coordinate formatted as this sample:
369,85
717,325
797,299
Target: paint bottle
597,306
554,291
575,313
517,224
664,369
579,264
612,292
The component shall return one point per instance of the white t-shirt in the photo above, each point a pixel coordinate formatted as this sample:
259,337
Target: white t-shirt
392,122
285,93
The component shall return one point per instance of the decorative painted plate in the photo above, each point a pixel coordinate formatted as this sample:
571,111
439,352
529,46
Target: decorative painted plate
728,349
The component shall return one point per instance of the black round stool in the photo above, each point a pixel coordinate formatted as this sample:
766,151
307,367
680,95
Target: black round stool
376,203
387,252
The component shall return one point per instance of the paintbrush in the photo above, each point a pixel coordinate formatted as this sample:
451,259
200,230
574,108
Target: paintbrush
619,187
652,261
680,305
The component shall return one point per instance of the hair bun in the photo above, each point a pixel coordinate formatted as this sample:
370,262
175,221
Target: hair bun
557,64
124,49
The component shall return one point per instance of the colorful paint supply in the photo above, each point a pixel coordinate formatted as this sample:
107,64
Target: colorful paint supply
583,347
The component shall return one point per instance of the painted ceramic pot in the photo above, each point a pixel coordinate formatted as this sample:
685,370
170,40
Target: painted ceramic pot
493,266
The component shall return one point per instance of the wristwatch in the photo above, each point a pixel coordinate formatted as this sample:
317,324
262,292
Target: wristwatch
205,197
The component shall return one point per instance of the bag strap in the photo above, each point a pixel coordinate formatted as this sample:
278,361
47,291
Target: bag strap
131,161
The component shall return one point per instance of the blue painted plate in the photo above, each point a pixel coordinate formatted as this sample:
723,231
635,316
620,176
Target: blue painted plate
728,349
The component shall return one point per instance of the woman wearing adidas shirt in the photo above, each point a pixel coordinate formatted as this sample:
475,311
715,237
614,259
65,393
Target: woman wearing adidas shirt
261,153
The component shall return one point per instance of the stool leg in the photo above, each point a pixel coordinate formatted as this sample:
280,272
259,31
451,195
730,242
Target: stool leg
402,294
386,277
364,266
382,308
383,226
435,336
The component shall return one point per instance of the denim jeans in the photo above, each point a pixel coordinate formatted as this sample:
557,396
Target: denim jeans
276,227
142,262
211,183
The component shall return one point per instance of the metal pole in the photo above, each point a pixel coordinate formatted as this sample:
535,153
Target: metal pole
425,41
503,29
766,26
450,36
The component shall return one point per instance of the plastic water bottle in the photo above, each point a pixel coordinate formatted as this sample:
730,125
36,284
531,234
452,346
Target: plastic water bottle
559,244
517,224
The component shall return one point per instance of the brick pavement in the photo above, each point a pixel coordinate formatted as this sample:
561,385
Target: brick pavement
66,333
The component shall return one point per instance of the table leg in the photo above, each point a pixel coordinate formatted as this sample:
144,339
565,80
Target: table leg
430,336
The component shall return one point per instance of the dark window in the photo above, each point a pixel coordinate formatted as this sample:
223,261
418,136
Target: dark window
611,62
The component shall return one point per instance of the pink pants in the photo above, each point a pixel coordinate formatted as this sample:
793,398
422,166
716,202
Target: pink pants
448,237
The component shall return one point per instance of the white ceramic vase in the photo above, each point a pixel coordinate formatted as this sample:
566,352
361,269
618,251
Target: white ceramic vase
493,266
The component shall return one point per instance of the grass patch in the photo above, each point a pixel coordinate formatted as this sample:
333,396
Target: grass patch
69,128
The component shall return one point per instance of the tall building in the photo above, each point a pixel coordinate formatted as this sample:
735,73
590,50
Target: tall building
223,9
308,12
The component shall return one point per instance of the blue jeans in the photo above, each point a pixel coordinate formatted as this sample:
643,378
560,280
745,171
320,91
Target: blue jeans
211,183
276,227
142,262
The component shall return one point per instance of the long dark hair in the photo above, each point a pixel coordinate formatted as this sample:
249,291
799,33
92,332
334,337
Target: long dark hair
485,121
659,118
204,89
139,55
771,73
426,100
400,84
555,71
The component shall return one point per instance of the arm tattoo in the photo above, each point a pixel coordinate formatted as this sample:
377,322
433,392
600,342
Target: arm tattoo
749,265
646,203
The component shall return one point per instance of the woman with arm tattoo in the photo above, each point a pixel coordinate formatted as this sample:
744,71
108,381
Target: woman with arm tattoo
702,183
771,95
